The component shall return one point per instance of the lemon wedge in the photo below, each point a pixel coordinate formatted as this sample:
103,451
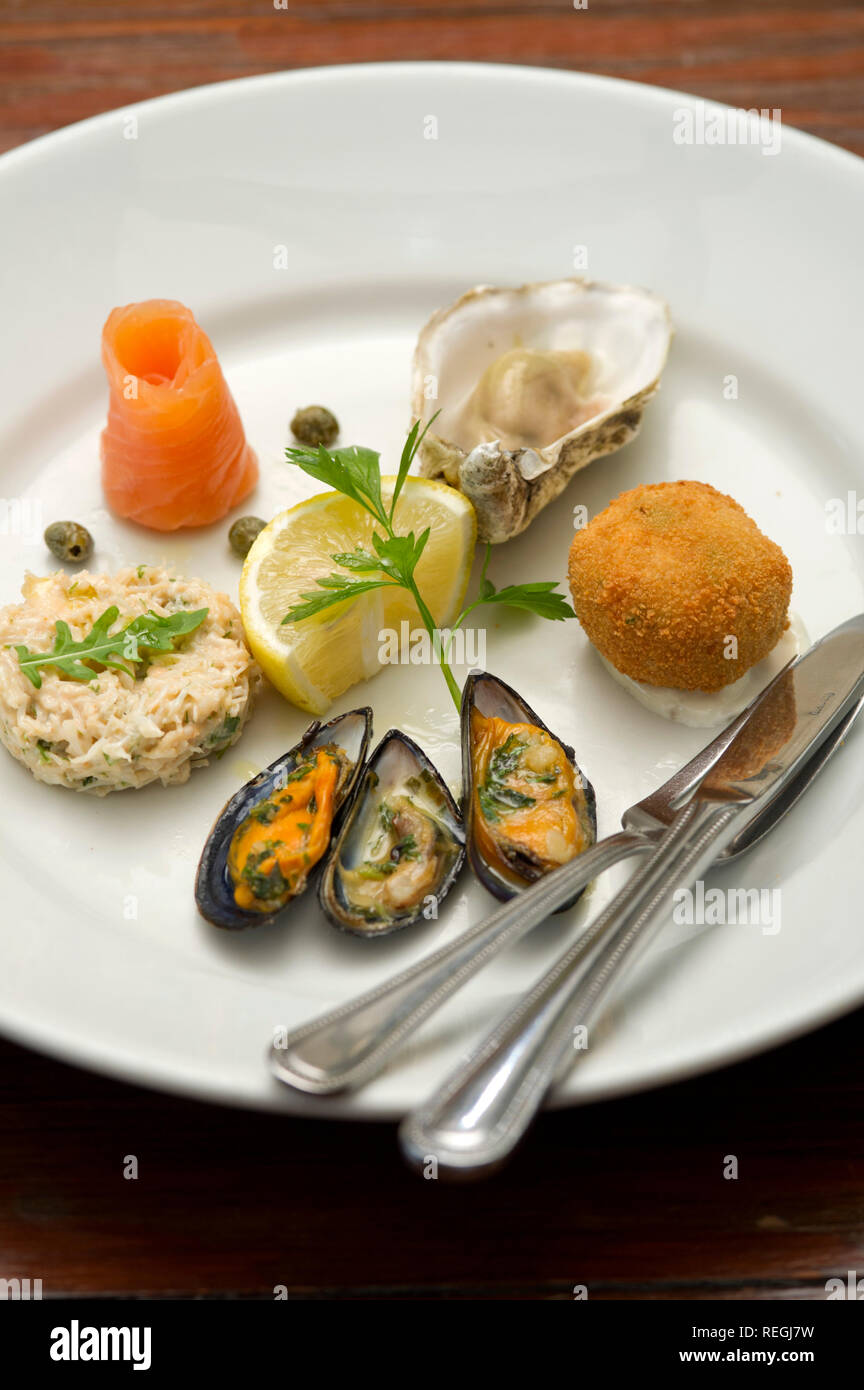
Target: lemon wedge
314,661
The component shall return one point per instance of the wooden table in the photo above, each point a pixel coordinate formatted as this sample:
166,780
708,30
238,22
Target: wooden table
63,61
627,1198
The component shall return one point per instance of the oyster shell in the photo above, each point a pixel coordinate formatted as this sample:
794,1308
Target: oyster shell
527,806
225,893
401,845
532,384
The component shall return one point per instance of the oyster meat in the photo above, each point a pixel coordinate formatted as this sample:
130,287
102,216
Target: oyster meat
400,848
532,384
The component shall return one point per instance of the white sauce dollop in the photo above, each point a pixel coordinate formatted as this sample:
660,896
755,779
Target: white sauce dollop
703,709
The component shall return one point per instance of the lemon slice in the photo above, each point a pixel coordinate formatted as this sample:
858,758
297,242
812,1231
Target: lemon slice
313,662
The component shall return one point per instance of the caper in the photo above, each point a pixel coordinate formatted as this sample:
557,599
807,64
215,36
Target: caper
243,533
315,425
69,541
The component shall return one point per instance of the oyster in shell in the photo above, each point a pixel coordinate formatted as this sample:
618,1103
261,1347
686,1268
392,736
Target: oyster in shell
532,384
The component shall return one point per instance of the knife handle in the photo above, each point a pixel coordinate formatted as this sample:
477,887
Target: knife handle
348,1045
482,1110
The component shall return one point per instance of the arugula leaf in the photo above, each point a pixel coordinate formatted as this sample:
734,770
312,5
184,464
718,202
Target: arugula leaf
112,650
157,634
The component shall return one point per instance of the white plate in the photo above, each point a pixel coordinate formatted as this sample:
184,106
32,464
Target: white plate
758,256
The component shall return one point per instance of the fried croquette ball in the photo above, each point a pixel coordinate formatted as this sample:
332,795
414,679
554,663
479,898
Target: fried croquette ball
676,586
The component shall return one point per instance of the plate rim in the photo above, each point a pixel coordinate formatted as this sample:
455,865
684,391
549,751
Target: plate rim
155,1074
191,96
356,1107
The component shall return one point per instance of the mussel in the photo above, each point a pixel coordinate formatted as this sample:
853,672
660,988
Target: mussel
527,807
400,847
273,832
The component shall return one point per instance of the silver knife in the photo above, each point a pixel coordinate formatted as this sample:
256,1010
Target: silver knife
476,1118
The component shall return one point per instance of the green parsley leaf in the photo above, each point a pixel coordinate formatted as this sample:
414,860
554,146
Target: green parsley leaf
339,592
355,473
539,598
326,468
398,556
412,444
363,467
360,561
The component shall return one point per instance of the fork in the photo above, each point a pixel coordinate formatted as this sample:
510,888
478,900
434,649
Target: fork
348,1045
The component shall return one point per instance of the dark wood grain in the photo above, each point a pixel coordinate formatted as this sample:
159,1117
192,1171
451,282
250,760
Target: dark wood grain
628,1197
60,62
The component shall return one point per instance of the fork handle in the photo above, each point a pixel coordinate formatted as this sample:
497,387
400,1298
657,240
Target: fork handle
481,1111
348,1045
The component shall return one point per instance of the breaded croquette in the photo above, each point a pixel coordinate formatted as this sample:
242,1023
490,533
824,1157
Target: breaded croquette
676,586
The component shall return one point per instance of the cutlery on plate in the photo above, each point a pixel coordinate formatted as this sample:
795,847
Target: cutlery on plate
348,1045
481,1111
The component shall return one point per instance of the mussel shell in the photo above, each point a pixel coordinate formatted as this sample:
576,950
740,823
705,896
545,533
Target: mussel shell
394,749
494,698
214,888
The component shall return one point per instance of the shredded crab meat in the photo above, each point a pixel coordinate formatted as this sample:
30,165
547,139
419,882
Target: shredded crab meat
120,730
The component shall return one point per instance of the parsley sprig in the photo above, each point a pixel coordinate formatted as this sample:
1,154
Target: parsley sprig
392,561
115,650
